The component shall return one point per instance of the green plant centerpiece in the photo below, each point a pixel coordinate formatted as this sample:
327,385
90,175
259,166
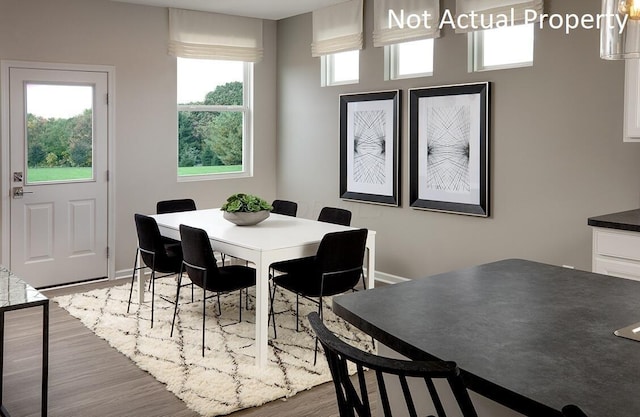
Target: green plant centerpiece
245,209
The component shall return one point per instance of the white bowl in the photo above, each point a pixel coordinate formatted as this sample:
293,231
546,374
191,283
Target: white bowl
241,218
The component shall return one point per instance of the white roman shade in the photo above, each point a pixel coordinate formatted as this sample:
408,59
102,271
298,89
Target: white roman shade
194,34
337,28
397,21
492,9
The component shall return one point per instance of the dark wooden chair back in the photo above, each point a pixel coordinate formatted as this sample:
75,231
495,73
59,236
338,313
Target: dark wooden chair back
354,400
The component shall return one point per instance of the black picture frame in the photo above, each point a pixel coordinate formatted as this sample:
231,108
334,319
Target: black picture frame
369,147
449,148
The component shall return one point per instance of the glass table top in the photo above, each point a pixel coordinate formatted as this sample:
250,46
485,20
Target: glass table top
14,291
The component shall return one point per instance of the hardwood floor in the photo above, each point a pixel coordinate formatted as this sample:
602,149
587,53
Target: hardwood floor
89,378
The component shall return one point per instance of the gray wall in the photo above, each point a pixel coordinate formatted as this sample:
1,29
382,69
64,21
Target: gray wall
134,39
557,155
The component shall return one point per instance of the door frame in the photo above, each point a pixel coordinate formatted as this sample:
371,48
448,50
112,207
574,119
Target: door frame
5,155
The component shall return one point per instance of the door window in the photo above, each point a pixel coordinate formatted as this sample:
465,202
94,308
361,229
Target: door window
59,133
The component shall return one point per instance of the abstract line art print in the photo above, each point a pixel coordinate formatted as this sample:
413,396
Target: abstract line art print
449,148
369,136
369,148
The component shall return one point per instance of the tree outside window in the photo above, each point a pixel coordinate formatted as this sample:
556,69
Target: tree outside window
212,117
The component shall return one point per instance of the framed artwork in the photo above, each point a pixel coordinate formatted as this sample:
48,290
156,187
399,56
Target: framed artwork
449,149
369,141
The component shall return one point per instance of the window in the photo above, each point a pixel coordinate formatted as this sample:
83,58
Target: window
409,59
500,48
341,68
214,119
59,133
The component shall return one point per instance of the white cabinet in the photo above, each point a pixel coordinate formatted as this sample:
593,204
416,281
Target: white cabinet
616,252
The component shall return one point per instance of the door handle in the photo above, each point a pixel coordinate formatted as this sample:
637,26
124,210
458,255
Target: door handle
19,192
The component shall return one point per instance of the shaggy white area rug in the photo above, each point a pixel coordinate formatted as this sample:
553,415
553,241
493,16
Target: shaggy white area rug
226,379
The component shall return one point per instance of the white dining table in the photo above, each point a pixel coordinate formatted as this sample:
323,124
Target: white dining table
275,239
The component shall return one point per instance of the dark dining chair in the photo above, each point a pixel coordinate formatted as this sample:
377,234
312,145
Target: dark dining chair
155,253
572,411
354,401
201,265
328,215
285,207
175,206
335,215
336,268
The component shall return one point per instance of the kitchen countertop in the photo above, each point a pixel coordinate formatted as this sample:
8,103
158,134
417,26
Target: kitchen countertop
531,336
624,220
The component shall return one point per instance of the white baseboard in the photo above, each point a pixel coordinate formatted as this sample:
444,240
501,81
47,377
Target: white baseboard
388,278
125,274
379,276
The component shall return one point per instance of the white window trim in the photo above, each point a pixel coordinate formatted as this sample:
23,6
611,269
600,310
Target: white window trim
391,67
247,131
326,72
476,53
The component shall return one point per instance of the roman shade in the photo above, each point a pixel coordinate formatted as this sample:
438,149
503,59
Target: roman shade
492,9
337,28
387,14
194,34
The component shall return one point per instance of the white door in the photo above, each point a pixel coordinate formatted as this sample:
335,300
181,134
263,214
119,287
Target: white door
58,145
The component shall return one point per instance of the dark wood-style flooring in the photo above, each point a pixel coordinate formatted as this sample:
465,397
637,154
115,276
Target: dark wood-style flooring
89,378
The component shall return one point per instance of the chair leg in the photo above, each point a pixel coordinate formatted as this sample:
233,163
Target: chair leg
175,308
204,309
204,315
297,312
272,313
315,354
219,306
153,293
133,277
240,307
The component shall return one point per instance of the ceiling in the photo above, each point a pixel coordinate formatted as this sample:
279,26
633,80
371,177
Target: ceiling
263,9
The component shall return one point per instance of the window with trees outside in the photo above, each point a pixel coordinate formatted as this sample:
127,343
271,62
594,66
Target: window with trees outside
214,119
59,135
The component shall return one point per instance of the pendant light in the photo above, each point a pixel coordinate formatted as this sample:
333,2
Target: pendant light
620,32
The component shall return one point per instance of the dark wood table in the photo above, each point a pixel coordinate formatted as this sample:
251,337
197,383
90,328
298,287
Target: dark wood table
16,294
531,336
